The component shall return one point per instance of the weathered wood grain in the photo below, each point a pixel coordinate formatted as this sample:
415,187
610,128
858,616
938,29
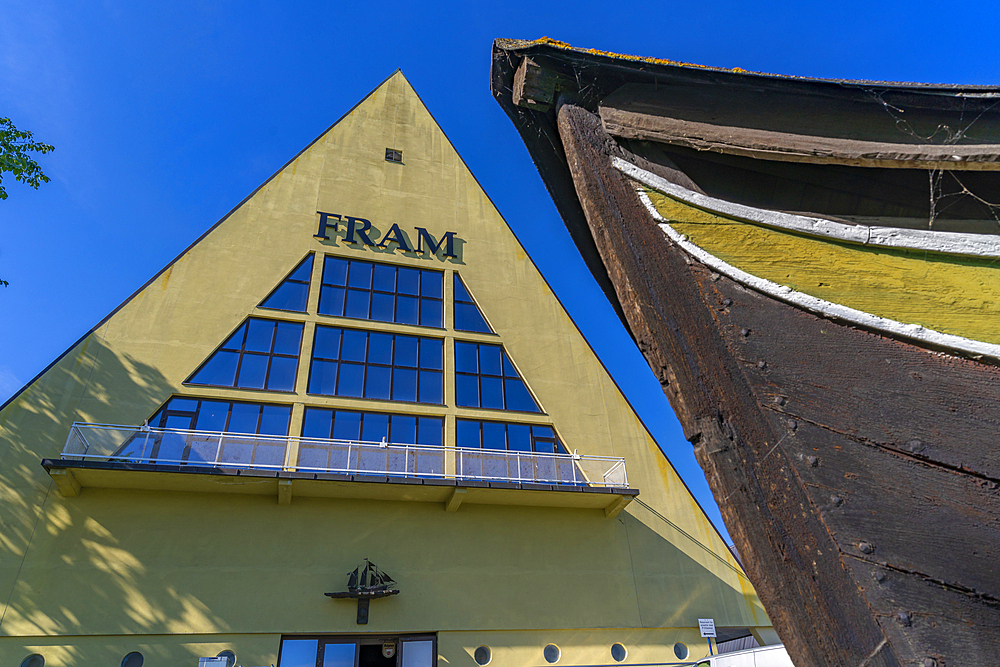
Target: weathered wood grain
932,406
939,626
787,147
790,556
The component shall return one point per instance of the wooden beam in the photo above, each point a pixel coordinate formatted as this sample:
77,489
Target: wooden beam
536,87
789,147
66,483
790,556
284,492
455,500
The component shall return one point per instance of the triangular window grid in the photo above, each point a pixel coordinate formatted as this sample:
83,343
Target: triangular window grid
486,378
293,292
261,354
468,317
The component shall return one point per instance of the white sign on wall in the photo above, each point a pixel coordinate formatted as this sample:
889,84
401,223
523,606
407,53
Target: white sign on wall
707,627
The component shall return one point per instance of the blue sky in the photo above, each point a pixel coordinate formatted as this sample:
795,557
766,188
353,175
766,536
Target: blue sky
165,115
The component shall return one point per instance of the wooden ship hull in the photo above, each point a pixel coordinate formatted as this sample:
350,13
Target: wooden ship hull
830,348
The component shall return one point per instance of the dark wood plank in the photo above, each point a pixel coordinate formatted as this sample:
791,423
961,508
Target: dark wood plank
938,524
791,558
962,629
935,407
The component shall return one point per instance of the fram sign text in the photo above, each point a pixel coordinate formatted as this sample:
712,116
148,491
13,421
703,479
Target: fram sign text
359,231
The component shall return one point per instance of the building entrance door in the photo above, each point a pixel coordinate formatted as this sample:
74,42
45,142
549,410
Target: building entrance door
358,651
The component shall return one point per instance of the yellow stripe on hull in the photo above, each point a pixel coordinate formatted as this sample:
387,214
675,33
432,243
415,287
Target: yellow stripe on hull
954,295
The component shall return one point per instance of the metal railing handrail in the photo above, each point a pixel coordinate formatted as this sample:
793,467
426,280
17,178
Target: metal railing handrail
606,471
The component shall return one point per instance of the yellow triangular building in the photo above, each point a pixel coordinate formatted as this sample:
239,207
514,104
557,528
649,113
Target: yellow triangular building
360,361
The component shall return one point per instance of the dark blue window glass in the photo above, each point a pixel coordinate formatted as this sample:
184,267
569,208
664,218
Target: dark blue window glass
372,427
298,652
218,416
262,354
505,435
293,293
381,292
371,364
468,317
485,378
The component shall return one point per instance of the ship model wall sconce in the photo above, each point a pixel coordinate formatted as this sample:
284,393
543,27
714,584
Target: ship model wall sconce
364,584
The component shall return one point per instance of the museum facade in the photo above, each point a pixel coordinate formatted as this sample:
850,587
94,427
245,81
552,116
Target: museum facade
350,426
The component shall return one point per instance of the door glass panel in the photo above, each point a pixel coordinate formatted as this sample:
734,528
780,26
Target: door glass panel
338,655
417,654
298,653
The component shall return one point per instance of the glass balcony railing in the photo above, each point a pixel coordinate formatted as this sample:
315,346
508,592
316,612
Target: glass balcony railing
176,447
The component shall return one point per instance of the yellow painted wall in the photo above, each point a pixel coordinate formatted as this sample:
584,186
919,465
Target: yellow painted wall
946,293
122,562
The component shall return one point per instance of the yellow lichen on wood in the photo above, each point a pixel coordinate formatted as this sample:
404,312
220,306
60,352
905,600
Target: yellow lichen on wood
950,294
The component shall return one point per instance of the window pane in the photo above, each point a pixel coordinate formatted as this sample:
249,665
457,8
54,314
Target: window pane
335,271
243,418
519,437
467,433
431,351
183,405
385,278
545,446
467,391
327,344
289,296
493,436
178,421
357,304
347,425
298,652
338,655
406,351
235,341
508,368
430,313
430,431
404,430
375,427
492,392
331,301
323,378
253,368
317,423
489,359
282,375
408,281
543,432
407,310
274,420
377,385
382,305
288,338
404,385
518,397
354,345
351,381
417,654
431,387
467,318
304,270
259,336
461,294
431,283
212,416
220,369
380,348
465,358
360,275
